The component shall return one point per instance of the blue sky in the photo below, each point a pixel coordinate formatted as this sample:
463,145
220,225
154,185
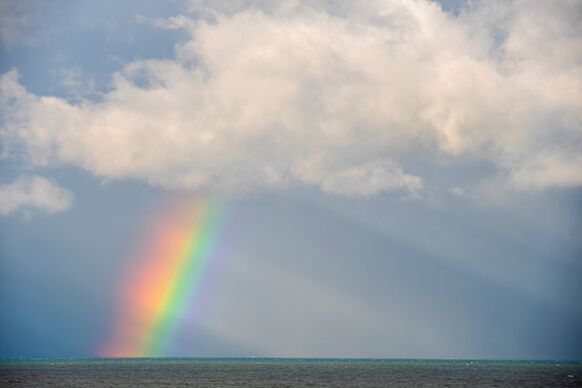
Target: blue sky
403,176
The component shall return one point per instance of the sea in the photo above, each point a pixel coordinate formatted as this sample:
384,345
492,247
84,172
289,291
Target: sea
269,372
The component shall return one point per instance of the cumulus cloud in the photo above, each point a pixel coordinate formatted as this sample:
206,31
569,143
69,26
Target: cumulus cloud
338,95
33,193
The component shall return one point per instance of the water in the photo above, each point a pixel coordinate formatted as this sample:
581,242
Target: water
287,373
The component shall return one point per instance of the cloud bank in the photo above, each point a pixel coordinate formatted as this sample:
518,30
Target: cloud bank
36,193
335,95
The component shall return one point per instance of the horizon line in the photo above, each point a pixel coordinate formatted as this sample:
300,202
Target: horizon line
96,358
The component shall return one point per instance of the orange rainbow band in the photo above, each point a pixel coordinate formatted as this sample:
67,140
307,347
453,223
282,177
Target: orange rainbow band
164,278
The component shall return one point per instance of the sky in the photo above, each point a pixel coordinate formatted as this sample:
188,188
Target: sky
386,178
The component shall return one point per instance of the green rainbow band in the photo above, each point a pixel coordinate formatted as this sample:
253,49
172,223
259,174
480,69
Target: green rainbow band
188,276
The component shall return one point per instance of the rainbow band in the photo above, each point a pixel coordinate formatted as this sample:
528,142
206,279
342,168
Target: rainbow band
187,276
167,275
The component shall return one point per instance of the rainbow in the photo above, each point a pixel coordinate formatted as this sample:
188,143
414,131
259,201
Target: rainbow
165,274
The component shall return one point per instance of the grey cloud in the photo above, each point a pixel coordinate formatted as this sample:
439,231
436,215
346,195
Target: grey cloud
18,21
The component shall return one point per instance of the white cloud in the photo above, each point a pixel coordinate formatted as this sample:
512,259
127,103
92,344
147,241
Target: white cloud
369,179
333,94
33,193
458,191
549,170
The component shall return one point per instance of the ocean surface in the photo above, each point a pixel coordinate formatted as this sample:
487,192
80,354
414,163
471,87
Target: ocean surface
287,373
